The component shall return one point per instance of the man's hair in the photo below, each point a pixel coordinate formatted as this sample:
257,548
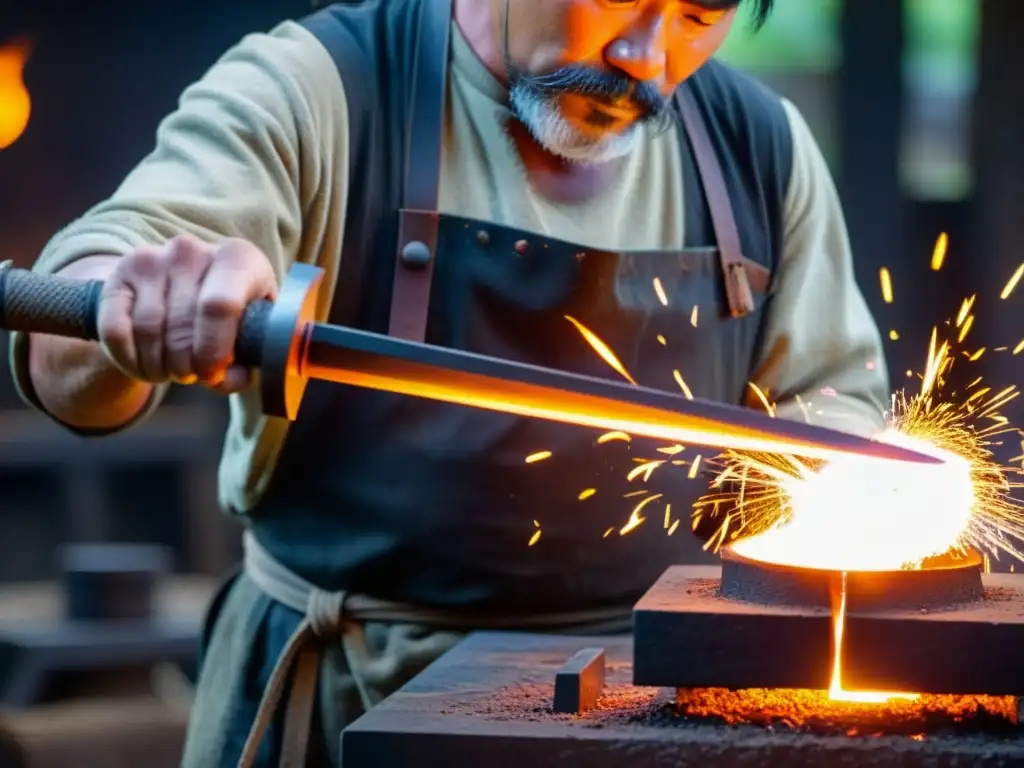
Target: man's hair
761,10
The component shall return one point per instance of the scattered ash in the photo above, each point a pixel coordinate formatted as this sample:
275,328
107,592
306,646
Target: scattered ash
813,712
703,587
794,711
999,594
620,704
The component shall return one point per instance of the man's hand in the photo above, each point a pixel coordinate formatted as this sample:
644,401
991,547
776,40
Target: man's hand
172,312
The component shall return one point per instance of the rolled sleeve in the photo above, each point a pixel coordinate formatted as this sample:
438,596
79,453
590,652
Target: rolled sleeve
240,157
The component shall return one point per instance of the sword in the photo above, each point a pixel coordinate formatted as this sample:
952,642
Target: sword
288,347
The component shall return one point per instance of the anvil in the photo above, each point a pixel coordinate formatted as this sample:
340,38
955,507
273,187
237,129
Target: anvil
282,339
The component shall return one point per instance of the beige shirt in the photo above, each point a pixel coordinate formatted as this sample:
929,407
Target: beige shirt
257,149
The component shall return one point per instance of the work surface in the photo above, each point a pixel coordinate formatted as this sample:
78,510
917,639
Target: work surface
488,703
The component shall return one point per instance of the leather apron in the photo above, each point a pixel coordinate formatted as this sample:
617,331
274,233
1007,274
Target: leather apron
505,292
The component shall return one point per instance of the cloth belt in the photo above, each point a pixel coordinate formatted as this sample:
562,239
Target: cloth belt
338,617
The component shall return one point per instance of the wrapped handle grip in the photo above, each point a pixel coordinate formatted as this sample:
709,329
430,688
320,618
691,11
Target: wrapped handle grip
50,304
60,306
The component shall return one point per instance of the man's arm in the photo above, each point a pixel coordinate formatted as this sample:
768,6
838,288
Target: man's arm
257,150
822,358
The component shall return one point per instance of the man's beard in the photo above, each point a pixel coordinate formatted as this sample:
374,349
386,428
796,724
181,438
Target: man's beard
534,102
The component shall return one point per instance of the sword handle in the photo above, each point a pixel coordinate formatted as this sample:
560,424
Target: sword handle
60,306
252,332
51,304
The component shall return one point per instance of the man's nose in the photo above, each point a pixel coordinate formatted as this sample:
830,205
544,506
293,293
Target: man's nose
641,52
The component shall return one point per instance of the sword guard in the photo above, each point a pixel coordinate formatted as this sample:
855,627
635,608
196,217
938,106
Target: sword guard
272,338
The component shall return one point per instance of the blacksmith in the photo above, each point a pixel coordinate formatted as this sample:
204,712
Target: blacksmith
467,172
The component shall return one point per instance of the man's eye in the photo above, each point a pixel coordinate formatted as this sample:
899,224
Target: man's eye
696,20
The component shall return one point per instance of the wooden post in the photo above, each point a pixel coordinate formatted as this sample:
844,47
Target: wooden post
998,213
870,110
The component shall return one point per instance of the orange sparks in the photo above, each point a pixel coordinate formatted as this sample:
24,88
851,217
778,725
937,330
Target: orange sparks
635,518
759,393
586,494
608,437
787,510
965,329
536,534
538,456
1012,282
894,336
660,291
965,309
1019,348
682,385
694,467
602,349
661,340
939,253
671,450
693,315
886,280
644,470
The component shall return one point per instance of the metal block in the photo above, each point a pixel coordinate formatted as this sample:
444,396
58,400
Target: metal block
579,683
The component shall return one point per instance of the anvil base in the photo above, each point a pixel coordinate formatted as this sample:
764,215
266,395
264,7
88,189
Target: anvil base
971,648
488,703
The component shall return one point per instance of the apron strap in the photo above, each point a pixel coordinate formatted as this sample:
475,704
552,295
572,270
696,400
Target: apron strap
730,249
338,618
418,222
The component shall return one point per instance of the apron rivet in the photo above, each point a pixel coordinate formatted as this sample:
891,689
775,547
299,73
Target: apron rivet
521,247
580,256
483,239
416,254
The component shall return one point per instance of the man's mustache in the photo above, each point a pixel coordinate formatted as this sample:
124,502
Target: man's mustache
644,96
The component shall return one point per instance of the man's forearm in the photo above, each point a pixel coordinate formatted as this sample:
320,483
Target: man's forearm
74,380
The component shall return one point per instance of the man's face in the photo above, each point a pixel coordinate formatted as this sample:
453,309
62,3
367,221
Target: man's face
585,73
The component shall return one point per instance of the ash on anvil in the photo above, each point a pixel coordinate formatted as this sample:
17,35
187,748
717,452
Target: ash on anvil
761,634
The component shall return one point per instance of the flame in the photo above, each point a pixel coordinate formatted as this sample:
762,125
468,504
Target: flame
884,517
846,516
15,102
854,516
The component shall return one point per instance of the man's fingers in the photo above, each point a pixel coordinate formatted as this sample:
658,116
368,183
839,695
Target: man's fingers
187,262
114,323
238,275
148,278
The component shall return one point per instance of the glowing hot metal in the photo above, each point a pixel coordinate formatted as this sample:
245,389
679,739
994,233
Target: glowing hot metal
289,348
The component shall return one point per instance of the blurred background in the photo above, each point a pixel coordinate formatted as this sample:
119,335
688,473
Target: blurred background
916,104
